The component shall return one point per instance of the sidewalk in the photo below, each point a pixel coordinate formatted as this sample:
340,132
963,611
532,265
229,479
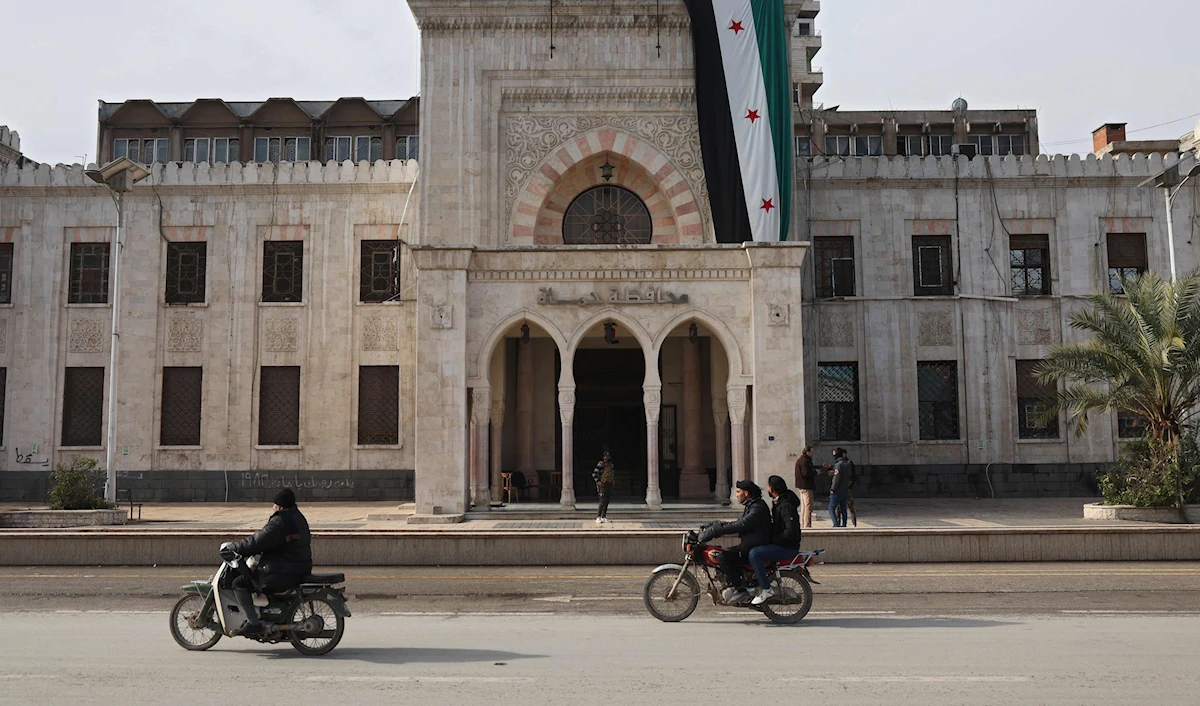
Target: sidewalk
873,513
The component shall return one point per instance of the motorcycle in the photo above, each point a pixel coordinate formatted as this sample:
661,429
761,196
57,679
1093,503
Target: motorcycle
311,616
672,591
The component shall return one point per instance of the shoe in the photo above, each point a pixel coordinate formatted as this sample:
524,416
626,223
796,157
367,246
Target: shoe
599,520
763,596
604,520
736,596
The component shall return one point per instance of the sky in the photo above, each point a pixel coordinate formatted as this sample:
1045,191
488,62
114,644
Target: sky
1078,64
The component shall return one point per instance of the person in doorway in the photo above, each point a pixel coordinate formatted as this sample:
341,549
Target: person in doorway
605,477
753,528
785,536
804,484
840,475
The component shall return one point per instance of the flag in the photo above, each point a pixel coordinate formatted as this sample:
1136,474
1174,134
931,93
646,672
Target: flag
743,102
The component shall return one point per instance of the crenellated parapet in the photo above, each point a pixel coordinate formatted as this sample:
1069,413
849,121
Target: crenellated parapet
950,167
202,174
10,139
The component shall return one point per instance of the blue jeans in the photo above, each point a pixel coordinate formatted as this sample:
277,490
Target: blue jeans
837,502
759,556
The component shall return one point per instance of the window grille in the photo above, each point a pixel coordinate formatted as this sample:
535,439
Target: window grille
937,400
296,149
367,148
1130,426
408,147
6,269
1126,258
837,398
835,266
195,149
1031,396
186,272
283,271
379,404
83,407
607,215
225,149
379,271
931,266
1029,264
89,273
338,149
279,406
182,394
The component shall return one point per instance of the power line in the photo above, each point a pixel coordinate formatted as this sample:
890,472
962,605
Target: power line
1127,132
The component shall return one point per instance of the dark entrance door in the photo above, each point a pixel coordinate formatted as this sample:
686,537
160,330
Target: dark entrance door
609,416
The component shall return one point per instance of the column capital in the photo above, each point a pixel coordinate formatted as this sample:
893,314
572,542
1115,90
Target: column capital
737,403
481,404
566,404
652,401
497,411
720,410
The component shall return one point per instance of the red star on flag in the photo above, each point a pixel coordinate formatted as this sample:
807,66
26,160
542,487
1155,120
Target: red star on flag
768,204
736,27
752,115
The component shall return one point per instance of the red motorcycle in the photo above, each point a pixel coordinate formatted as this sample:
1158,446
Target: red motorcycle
672,591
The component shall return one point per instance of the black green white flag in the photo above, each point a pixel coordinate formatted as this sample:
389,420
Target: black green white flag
743,100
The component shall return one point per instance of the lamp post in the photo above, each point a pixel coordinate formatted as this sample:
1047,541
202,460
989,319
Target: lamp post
1171,180
117,176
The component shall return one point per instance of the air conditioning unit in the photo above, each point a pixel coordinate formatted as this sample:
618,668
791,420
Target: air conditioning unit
966,149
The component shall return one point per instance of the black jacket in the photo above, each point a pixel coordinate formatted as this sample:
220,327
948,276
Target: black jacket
753,527
284,543
785,521
843,479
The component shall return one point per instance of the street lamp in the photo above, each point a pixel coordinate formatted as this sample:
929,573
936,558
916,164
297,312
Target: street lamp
118,176
1171,180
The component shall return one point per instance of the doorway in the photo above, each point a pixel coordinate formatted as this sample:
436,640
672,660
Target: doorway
609,415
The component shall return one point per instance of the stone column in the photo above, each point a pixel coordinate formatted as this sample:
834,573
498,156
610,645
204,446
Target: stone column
498,377
566,413
480,414
652,400
737,436
525,408
721,421
693,480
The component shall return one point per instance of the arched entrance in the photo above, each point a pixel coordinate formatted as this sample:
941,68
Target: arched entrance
610,371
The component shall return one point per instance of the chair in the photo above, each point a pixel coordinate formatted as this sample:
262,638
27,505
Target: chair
529,486
508,488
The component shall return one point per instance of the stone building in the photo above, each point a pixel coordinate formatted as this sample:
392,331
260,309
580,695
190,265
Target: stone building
10,148
542,282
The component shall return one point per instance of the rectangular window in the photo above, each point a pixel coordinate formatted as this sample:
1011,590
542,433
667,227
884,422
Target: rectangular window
83,407
837,145
195,149
803,29
1126,258
225,150
803,146
279,406
6,269
931,266
937,400
368,149
182,393
408,147
121,149
268,149
186,272
89,274
984,145
379,271
940,145
1130,426
379,404
1029,264
283,271
1010,144
1031,395
868,146
837,397
146,151
910,145
297,149
337,149
835,266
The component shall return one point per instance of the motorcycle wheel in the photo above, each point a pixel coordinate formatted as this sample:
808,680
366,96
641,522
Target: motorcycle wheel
792,601
183,615
326,637
674,608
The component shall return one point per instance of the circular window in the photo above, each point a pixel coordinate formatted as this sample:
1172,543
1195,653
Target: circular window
608,215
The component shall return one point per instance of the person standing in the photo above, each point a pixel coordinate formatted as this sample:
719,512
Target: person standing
605,477
839,487
804,485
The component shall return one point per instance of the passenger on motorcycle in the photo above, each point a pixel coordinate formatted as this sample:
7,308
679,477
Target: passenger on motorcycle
285,546
785,536
753,528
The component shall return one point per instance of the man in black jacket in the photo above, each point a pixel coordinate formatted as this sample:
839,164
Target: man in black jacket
286,549
753,528
785,536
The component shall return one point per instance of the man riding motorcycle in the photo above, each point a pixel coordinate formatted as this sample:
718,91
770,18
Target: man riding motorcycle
753,528
785,536
285,545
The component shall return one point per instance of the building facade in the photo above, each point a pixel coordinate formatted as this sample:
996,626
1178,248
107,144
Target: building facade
541,282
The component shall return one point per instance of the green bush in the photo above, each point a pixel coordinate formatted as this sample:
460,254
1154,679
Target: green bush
74,487
1148,475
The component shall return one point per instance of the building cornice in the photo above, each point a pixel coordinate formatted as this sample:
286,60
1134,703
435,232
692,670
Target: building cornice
656,95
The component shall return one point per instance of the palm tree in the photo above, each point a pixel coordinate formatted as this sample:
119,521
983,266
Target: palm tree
1143,358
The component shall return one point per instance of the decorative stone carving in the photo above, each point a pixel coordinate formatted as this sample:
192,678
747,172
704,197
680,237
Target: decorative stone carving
380,333
481,405
529,138
604,94
606,275
837,330
777,315
935,328
282,335
86,336
1033,328
628,295
184,333
566,397
442,316
652,401
737,406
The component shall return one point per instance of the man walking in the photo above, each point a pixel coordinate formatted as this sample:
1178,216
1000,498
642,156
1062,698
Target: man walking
804,485
605,477
839,487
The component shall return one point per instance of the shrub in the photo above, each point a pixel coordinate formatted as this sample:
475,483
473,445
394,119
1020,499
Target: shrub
1149,476
74,487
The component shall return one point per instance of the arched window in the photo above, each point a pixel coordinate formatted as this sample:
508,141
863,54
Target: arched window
609,215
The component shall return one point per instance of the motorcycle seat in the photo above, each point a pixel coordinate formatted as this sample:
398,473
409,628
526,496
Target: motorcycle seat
324,579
